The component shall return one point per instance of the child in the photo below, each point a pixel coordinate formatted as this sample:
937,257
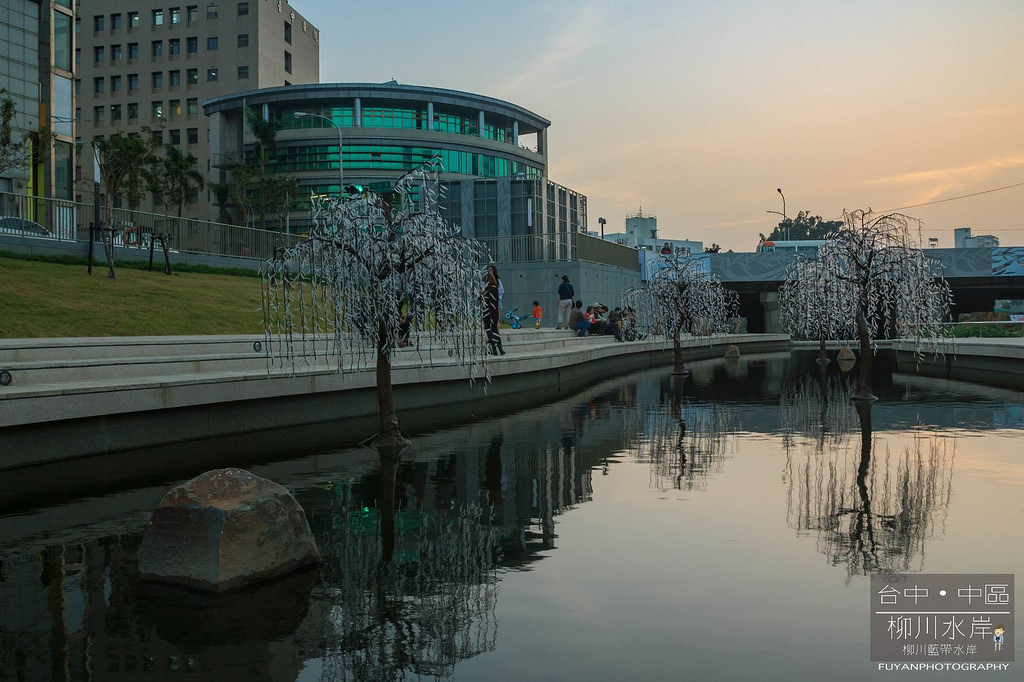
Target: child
536,314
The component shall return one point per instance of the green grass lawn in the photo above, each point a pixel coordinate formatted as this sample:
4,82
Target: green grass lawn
41,299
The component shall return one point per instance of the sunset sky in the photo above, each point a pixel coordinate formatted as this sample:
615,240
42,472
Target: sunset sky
698,111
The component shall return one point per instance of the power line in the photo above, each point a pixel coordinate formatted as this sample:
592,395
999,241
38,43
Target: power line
964,196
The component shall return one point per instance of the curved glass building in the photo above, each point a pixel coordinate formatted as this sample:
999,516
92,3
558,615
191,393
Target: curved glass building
494,152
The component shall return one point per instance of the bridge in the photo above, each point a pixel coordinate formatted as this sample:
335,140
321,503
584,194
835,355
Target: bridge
977,277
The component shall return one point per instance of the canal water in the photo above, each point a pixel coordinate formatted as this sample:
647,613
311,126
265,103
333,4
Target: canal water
721,526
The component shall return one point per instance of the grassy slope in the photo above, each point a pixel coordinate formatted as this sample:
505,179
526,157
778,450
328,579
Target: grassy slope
39,299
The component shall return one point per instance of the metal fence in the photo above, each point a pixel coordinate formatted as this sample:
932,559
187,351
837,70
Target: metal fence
68,220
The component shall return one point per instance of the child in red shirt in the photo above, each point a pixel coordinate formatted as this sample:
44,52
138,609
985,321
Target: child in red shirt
536,314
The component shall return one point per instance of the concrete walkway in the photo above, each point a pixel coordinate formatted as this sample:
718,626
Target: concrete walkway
78,397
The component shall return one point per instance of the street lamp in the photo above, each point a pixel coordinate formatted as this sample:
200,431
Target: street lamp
602,222
341,169
785,219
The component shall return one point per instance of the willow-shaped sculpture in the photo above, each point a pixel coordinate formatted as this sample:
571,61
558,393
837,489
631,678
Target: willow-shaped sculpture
815,304
891,287
684,298
377,273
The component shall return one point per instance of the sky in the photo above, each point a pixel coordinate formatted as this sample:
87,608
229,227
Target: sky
696,112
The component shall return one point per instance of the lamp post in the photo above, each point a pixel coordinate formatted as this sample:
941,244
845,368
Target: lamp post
785,219
341,164
602,222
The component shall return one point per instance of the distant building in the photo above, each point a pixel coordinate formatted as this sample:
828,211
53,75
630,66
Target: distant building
803,246
37,69
642,233
962,239
150,64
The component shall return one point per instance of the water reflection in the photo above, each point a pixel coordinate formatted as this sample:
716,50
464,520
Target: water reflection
871,509
421,553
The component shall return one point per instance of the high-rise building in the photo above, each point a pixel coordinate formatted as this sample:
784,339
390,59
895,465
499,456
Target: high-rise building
37,72
152,64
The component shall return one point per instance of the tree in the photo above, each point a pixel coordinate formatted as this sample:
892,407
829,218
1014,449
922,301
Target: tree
874,272
341,294
174,177
683,297
814,305
124,162
16,148
278,194
805,226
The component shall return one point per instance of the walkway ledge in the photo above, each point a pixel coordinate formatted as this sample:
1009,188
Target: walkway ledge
72,398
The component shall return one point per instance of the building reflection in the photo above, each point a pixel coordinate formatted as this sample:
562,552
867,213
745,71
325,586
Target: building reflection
871,508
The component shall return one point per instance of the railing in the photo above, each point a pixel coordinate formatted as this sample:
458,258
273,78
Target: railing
69,220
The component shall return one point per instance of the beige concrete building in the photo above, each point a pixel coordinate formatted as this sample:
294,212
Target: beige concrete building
153,62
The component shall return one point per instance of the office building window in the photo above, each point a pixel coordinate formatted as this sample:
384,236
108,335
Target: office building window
243,9
158,110
133,20
192,45
192,77
97,114
212,42
97,85
158,48
243,72
97,23
115,22
193,105
133,82
175,15
115,112
211,74
115,53
97,54
158,17
287,33
78,86
78,57
211,11
175,78
115,84
174,46
192,14
175,107
158,79
193,135
287,62
133,110
175,136
133,51
243,40
158,137
61,41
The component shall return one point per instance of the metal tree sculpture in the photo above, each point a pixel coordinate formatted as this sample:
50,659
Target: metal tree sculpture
816,304
891,287
684,298
376,273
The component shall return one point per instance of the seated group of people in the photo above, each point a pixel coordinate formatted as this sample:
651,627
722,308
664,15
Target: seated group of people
593,321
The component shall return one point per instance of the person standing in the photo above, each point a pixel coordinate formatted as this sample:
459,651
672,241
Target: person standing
492,286
566,294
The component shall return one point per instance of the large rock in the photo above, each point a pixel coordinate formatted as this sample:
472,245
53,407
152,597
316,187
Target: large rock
226,529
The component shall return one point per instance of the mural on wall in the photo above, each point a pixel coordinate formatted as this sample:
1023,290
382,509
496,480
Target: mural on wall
1008,261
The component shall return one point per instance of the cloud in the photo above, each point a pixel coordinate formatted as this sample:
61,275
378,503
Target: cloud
974,171
553,66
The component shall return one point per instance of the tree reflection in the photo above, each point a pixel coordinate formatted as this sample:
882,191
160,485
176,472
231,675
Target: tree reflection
872,510
683,442
405,590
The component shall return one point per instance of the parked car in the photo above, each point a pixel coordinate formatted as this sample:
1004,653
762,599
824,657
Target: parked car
14,225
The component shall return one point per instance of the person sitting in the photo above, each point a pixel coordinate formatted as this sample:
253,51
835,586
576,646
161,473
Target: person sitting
404,328
615,324
666,250
578,321
599,325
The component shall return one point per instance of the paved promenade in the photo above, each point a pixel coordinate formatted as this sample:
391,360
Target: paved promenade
72,398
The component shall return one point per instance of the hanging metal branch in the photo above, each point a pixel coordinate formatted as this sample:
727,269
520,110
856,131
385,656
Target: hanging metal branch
684,299
379,272
874,281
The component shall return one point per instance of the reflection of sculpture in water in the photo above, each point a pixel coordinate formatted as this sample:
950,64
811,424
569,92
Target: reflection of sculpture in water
682,442
872,510
416,599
